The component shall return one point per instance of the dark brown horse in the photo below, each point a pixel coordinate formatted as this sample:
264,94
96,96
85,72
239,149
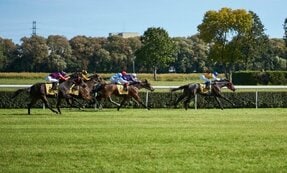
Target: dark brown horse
190,90
85,93
107,90
38,91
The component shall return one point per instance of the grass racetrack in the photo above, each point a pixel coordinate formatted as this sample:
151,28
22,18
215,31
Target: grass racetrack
136,140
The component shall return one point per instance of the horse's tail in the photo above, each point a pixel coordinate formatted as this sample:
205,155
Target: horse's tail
16,93
179,88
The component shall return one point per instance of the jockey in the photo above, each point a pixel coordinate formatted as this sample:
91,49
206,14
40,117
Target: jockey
118,79
209,77
131,78
84,75
56,77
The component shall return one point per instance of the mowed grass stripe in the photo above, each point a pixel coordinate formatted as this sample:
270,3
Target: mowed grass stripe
136,140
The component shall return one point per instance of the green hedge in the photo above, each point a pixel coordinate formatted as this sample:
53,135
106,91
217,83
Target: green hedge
166,99
260,78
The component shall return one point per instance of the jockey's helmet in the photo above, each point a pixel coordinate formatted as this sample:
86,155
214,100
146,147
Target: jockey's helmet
134,75
215,73
84,72
63,73
124,73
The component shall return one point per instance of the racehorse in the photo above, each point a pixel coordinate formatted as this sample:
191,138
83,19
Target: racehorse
85,93
107,90
190,90
38,91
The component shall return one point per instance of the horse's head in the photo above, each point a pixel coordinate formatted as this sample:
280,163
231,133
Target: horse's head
145,84
96,78
77,80
229,84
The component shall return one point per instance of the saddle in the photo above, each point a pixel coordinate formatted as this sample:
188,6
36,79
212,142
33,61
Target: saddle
203,88
121,89
74,90
49,89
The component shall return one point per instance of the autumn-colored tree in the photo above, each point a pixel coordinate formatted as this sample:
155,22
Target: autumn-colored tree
222,29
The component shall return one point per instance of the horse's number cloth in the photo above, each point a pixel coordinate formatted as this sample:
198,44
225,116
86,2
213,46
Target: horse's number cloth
50,91
121,89
203,88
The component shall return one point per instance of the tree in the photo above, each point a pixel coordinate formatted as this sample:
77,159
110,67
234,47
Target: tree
157,51
83,50
34,54
7,53
191,54
253,44
59,52
222,29
100,57
119,53
276,55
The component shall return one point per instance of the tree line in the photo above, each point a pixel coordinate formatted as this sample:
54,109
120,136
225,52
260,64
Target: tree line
227,40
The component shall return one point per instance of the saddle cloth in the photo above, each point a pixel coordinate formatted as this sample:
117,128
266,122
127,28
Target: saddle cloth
121,89
203,88
49,89
73,90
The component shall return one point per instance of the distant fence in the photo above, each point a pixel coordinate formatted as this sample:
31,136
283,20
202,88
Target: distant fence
256,89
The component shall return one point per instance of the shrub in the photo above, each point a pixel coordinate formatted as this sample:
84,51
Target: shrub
166,100
261,78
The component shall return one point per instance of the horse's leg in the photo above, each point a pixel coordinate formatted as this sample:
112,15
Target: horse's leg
187,101
98,102
122,103
207,101
32,102
58,104
139,101
110,99
180,98
68,101
226,99
219,102
74,100
45,101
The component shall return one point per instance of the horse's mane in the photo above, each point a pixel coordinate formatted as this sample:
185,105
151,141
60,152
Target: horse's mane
223,80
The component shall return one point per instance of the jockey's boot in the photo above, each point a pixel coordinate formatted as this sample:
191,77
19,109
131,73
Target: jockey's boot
54,85
208,88
125,87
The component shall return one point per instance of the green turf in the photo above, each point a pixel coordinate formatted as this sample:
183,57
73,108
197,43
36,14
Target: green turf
137,140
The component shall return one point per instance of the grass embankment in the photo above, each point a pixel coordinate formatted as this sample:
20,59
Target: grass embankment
171,79
136,140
